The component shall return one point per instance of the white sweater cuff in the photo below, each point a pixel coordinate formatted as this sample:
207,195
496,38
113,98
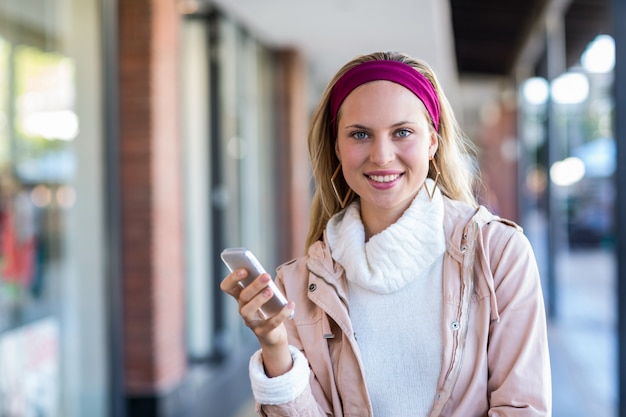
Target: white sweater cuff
280,389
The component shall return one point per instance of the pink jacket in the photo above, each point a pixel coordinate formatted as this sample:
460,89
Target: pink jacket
495,358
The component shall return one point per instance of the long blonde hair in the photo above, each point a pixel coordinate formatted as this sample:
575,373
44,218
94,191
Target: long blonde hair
454,156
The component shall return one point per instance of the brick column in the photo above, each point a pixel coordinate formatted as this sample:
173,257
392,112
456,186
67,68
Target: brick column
292,157
498,161
151,196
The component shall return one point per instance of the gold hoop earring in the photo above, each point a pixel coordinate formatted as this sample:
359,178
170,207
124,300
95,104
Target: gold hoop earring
431,195
343,202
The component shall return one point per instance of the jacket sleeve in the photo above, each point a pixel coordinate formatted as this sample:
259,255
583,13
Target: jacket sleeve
295,394
519,381
280,389
284,395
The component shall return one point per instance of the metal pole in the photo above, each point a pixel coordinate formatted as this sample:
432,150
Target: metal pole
110,30
555,52
619,34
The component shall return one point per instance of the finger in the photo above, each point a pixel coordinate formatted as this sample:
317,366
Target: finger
230,284
250,305
254,287
264,328
286,313
256,321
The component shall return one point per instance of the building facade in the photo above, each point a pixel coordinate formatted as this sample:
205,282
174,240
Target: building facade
136,142
138,139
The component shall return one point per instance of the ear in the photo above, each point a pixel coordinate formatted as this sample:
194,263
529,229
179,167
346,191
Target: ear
337,150
434,144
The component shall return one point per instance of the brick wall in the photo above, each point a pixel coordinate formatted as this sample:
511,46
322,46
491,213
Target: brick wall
292,157
151,196
498,161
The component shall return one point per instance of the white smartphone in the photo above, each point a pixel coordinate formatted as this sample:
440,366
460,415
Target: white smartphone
237,258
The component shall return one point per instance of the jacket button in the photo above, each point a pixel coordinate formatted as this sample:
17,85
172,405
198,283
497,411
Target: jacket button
455,325
312,287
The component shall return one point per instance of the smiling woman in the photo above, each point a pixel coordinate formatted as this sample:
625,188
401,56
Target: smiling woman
405,274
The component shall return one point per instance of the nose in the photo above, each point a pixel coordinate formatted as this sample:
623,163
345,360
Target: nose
382,151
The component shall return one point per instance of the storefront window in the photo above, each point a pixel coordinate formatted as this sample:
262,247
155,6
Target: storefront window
4,90
45,293
36,172
36,166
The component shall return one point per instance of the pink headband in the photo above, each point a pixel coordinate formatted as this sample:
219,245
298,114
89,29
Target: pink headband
394,71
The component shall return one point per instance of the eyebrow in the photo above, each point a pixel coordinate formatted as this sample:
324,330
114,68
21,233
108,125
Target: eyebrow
360,126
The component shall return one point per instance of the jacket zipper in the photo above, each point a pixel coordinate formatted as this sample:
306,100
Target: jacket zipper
466,293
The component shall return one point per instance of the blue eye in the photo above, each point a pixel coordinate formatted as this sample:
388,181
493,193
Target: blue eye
359,135
403,133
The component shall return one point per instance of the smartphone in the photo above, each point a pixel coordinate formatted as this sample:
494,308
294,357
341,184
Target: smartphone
237,258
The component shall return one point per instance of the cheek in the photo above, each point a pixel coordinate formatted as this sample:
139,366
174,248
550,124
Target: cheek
415,155
348,155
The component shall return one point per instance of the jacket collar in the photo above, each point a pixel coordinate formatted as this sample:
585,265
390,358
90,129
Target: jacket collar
458,220
321,263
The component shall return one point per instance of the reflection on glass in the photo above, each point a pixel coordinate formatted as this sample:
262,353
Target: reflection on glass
4,99
567,172
38,124
570,88
48,47
36,160
45,119
599,56
535,90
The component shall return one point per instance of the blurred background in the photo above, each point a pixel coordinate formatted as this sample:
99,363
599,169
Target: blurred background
139,138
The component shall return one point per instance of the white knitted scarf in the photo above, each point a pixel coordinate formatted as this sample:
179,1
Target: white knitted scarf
393,258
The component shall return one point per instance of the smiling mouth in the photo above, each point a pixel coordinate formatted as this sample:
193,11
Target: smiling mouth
384,178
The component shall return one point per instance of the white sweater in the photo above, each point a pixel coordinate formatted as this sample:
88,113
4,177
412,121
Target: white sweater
395,295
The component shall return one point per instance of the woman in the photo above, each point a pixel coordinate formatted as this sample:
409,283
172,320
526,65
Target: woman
411,300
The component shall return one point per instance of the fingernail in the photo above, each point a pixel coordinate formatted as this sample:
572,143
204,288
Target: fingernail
267,292
242,273
265,278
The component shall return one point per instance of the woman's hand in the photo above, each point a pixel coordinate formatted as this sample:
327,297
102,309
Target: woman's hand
271,332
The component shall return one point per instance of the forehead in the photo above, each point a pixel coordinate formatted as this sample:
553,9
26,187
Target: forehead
382,96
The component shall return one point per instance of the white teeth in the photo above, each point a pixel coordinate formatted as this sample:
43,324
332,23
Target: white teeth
384,178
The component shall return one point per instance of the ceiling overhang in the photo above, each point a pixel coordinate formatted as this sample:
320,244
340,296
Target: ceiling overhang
458,37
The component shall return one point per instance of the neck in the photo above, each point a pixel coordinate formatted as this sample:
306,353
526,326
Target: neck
373,224
375,221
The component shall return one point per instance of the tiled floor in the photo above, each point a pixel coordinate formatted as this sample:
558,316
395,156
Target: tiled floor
583,332
583,341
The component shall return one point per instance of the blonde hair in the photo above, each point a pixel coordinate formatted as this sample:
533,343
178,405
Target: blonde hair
454,155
